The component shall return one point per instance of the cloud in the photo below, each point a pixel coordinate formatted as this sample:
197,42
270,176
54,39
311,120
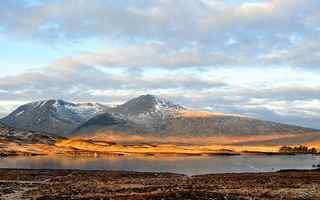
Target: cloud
8,106
153,19
305,54
264,29
156,55
68,78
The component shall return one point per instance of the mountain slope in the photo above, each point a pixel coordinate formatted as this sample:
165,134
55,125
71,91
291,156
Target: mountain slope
108,123
52,116
224,124
159,116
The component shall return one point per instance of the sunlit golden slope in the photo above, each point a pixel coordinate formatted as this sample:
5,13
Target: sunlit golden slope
168,148
203,114
172,146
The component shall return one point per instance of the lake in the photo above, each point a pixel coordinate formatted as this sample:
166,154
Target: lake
183,165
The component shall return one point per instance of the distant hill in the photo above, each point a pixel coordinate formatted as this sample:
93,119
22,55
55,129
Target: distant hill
52,116
20,136
15,142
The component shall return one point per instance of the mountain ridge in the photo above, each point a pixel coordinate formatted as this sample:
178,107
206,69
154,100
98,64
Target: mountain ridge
160,116
144,114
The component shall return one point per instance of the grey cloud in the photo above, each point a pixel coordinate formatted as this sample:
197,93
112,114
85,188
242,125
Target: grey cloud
75,79
156,55
155,19
278,93
305,54
294,92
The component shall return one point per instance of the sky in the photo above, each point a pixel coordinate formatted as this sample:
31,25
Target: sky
259,58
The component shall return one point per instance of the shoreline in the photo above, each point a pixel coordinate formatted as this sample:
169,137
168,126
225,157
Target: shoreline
152,154
188,165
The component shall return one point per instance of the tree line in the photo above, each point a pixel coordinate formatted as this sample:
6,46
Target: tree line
298,150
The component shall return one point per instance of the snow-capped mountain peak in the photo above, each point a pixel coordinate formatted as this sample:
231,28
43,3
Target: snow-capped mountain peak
148,104
147,110
162,103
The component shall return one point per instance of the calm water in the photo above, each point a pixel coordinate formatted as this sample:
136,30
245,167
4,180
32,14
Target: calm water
184,165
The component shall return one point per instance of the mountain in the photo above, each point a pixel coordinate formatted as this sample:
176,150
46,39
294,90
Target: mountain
144,114
147,105
156,115
52,116
148,110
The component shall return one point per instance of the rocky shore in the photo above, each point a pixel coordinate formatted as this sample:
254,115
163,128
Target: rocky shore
76,184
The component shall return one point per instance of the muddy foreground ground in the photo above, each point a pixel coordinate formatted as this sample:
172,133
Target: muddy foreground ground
73,184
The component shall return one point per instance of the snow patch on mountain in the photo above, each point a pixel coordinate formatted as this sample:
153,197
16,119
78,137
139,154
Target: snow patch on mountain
79,112
148,110
53,116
